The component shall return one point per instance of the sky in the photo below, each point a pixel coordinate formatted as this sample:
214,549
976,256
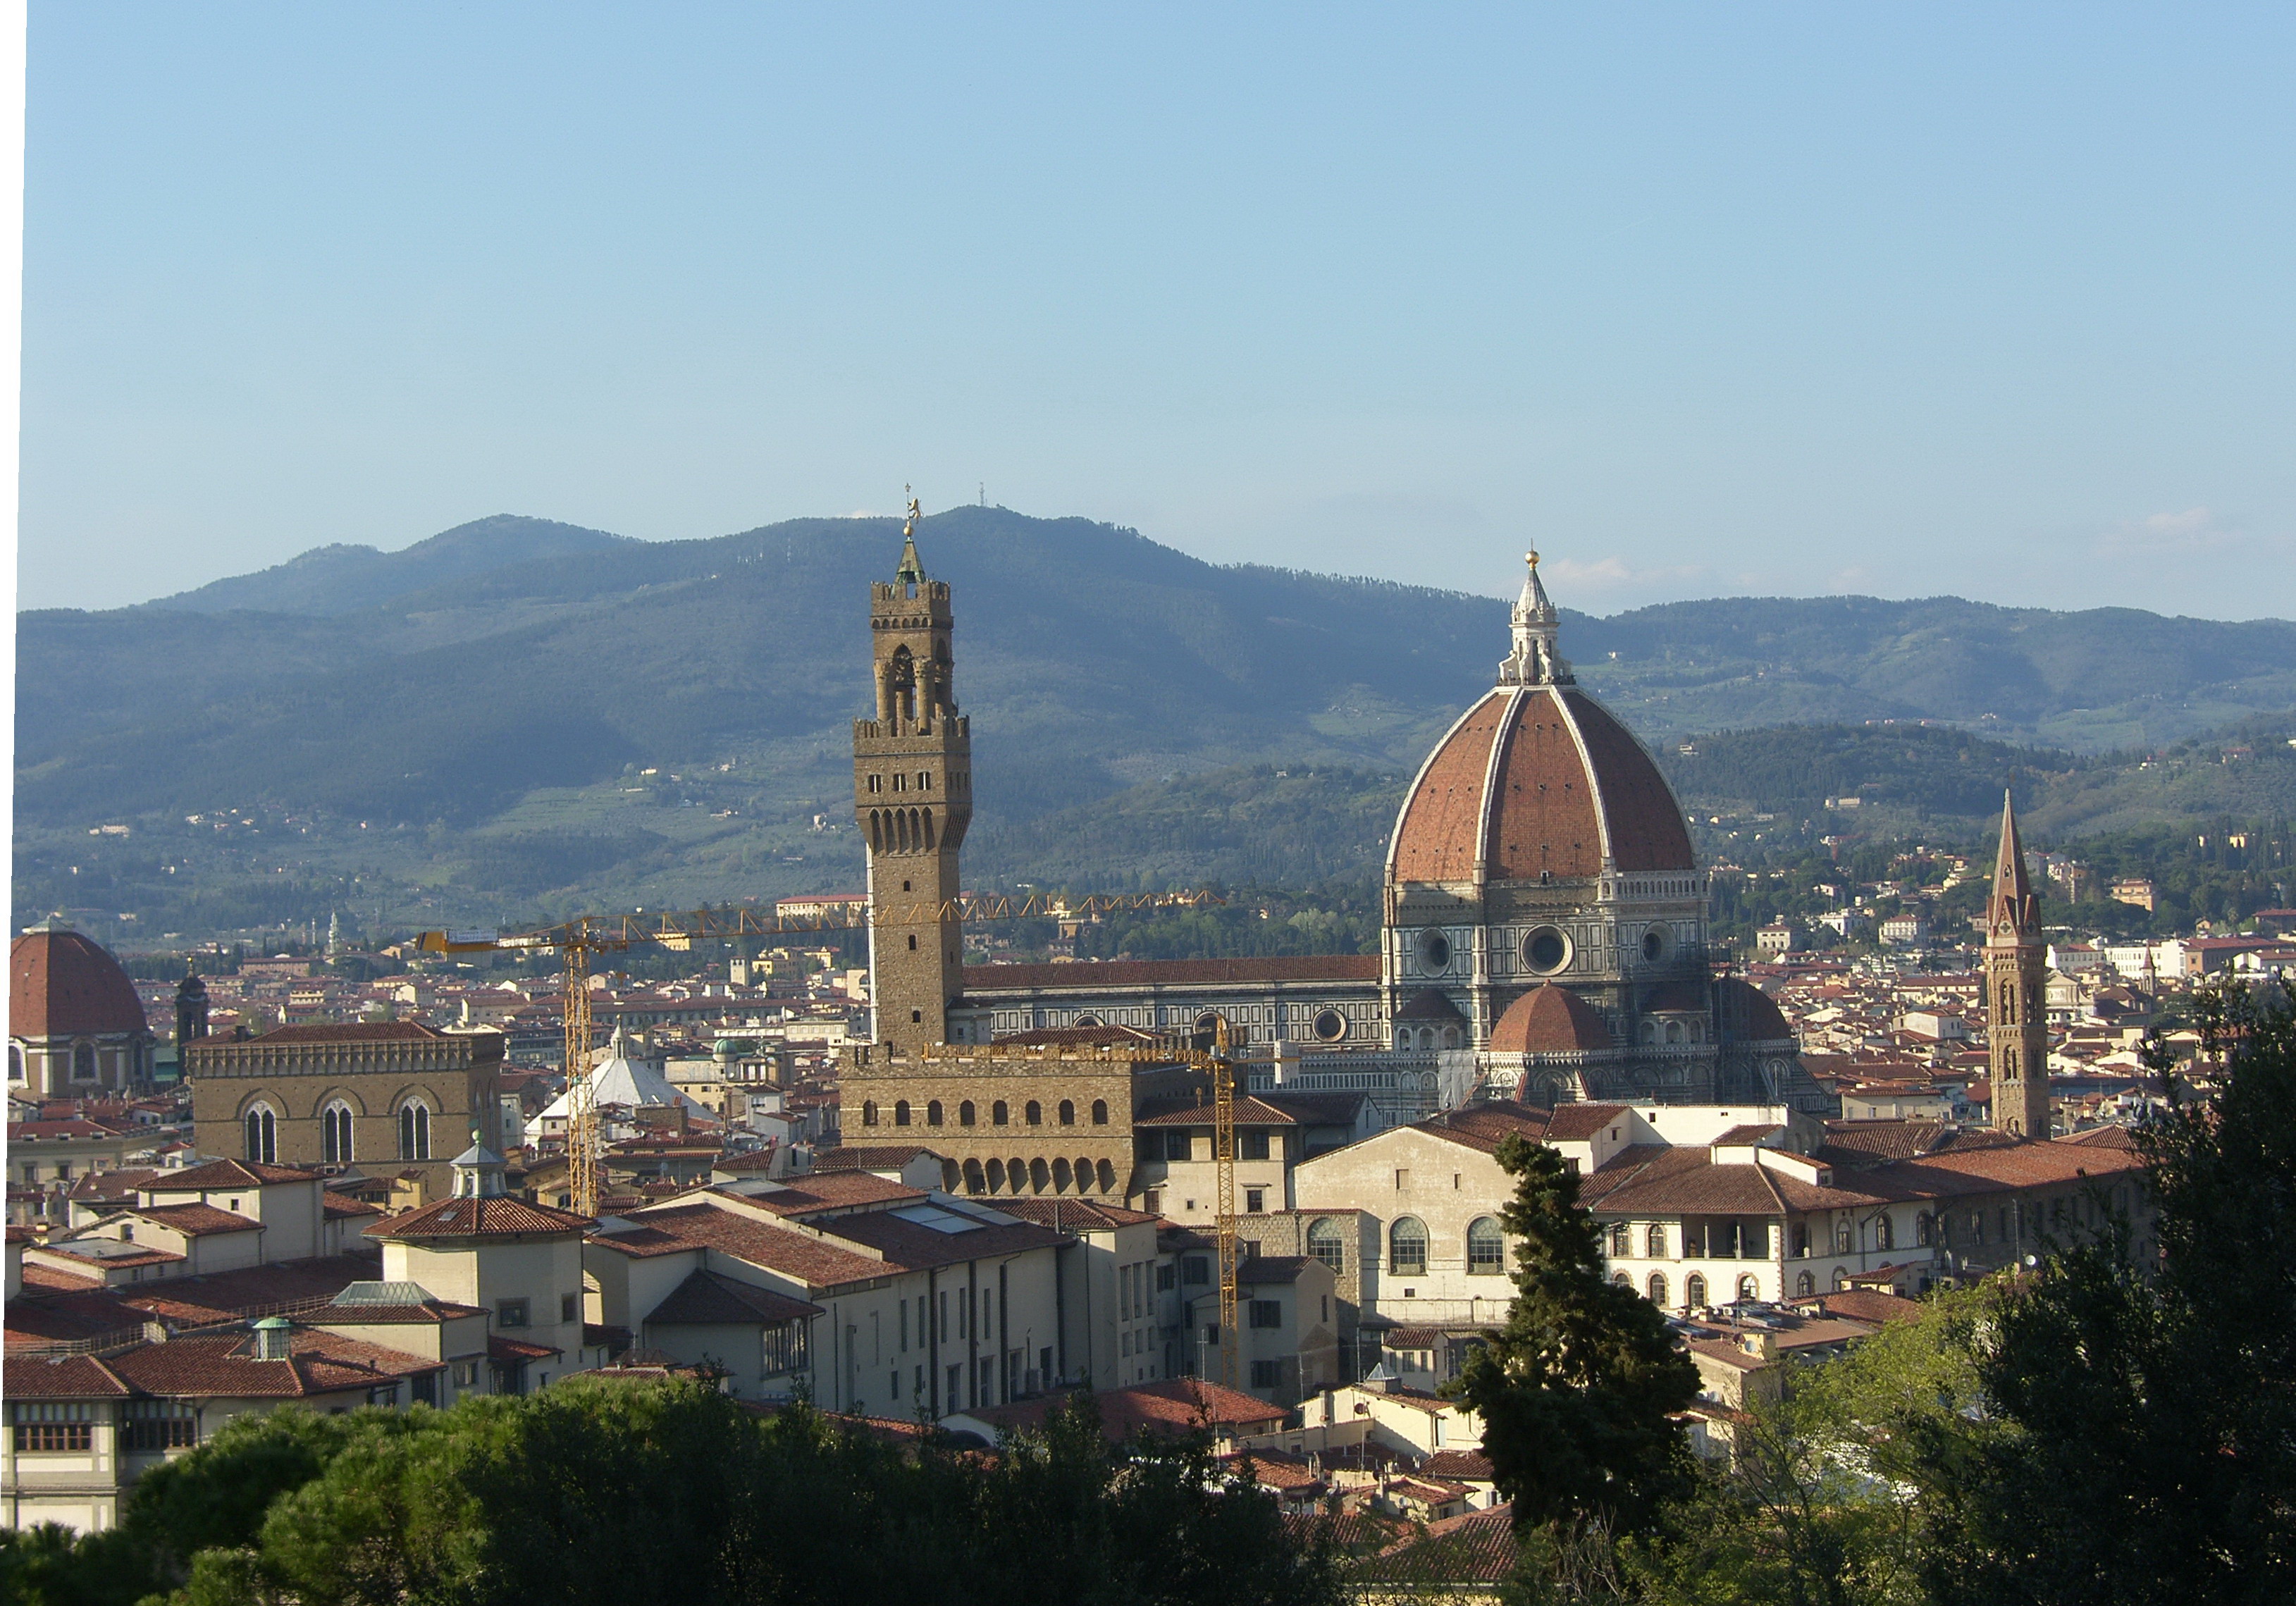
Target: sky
1699,300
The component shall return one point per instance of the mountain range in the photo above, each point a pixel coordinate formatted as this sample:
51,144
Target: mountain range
516,717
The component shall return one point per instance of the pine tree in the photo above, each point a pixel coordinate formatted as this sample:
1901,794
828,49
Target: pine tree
1579,1390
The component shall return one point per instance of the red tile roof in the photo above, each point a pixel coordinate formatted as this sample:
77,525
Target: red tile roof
223,1366
219,1174
360,1031
1550,1020
706,1298
194,1220
62,984
496,1216
1485,1126
1170,1405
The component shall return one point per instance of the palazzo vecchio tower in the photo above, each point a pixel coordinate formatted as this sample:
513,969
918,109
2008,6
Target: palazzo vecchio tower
913,797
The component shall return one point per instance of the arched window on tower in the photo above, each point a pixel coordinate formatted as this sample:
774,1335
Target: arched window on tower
335,1133
868,1113
1034,1113
1100,1112
263,1136
900,1112
1068,1113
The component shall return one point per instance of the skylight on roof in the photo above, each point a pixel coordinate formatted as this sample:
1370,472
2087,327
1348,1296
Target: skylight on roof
937,1218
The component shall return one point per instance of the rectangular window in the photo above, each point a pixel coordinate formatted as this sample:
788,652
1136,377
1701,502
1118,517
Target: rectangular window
952,1400
569,1308
1402,1181
905,1330
510,1313
55,1426
1196,1270
1168,1278
1178,1145
1251,1145
1267,1374
1255,1200
1267,1312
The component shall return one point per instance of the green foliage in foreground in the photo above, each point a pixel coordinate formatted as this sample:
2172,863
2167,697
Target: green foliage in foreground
668,1495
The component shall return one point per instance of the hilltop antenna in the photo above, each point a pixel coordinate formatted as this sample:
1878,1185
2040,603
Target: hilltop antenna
984,493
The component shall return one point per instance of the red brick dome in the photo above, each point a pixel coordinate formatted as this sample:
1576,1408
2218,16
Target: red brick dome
1550,1020
62,984
1537,780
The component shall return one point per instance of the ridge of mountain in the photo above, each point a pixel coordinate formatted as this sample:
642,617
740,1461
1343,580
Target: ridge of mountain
340,579
539,716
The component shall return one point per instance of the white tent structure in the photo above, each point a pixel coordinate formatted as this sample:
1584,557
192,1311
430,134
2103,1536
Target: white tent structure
620,1080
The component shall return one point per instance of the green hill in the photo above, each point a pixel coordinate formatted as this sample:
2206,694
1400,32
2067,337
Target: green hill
517,719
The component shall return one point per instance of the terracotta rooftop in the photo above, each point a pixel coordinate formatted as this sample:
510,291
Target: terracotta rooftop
62,983
1550,1020
706,1298
1170,1405
194,1220
219,1174
499,1216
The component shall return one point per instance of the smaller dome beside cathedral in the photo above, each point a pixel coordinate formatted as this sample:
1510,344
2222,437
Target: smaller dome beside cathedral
62,983
1550,1020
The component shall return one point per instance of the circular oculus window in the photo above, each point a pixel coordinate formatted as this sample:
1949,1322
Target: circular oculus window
1434,953
1546,950
1329,1026
1654,943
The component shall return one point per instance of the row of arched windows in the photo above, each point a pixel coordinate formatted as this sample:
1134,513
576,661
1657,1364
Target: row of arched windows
901,831
1083,1175
1694,1288
968,1114
1408,1243
337,1130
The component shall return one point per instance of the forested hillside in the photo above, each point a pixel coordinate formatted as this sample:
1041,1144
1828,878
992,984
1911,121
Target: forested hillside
517,719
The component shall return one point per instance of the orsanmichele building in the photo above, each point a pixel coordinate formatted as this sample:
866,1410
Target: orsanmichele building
1545,938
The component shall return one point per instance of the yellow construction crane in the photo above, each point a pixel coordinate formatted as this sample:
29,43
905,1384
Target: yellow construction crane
576,940
1222,1069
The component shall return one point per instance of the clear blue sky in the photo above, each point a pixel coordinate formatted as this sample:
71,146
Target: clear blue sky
1994,300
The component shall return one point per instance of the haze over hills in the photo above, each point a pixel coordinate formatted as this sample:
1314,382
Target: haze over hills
517,718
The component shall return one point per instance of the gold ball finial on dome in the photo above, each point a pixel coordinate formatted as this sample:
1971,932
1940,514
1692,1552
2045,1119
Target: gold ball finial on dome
1531,558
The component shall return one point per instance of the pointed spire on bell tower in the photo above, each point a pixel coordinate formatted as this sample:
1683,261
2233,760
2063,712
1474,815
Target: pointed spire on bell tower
912,571
1536,659
2017,1022
2013,912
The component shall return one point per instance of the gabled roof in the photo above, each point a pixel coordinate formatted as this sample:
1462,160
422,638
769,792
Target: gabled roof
194,1220
1168,1405
219,1174
223,1366
706,1298
496,1215
1484,1127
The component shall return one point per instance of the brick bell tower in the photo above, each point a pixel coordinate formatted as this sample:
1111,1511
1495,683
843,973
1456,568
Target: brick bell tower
2017,1017
913,797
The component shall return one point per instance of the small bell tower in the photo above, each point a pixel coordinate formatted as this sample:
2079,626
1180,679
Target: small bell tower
912,799
2017,1024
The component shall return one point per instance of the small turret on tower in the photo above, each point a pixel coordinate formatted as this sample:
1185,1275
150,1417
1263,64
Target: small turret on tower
1536,659
2017,1026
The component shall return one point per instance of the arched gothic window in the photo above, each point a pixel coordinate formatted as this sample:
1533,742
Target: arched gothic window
263,1136
413,1131
868,1113
1622,1240
964,1112
1033,1113
1654,1244
335,1133
1885,1232
900,1112
932,1112
1000,1114
1406,1253
1805,1285
1658,1289
1487,1248
1693,1289
1068,1113
1100,1112
1749,1289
